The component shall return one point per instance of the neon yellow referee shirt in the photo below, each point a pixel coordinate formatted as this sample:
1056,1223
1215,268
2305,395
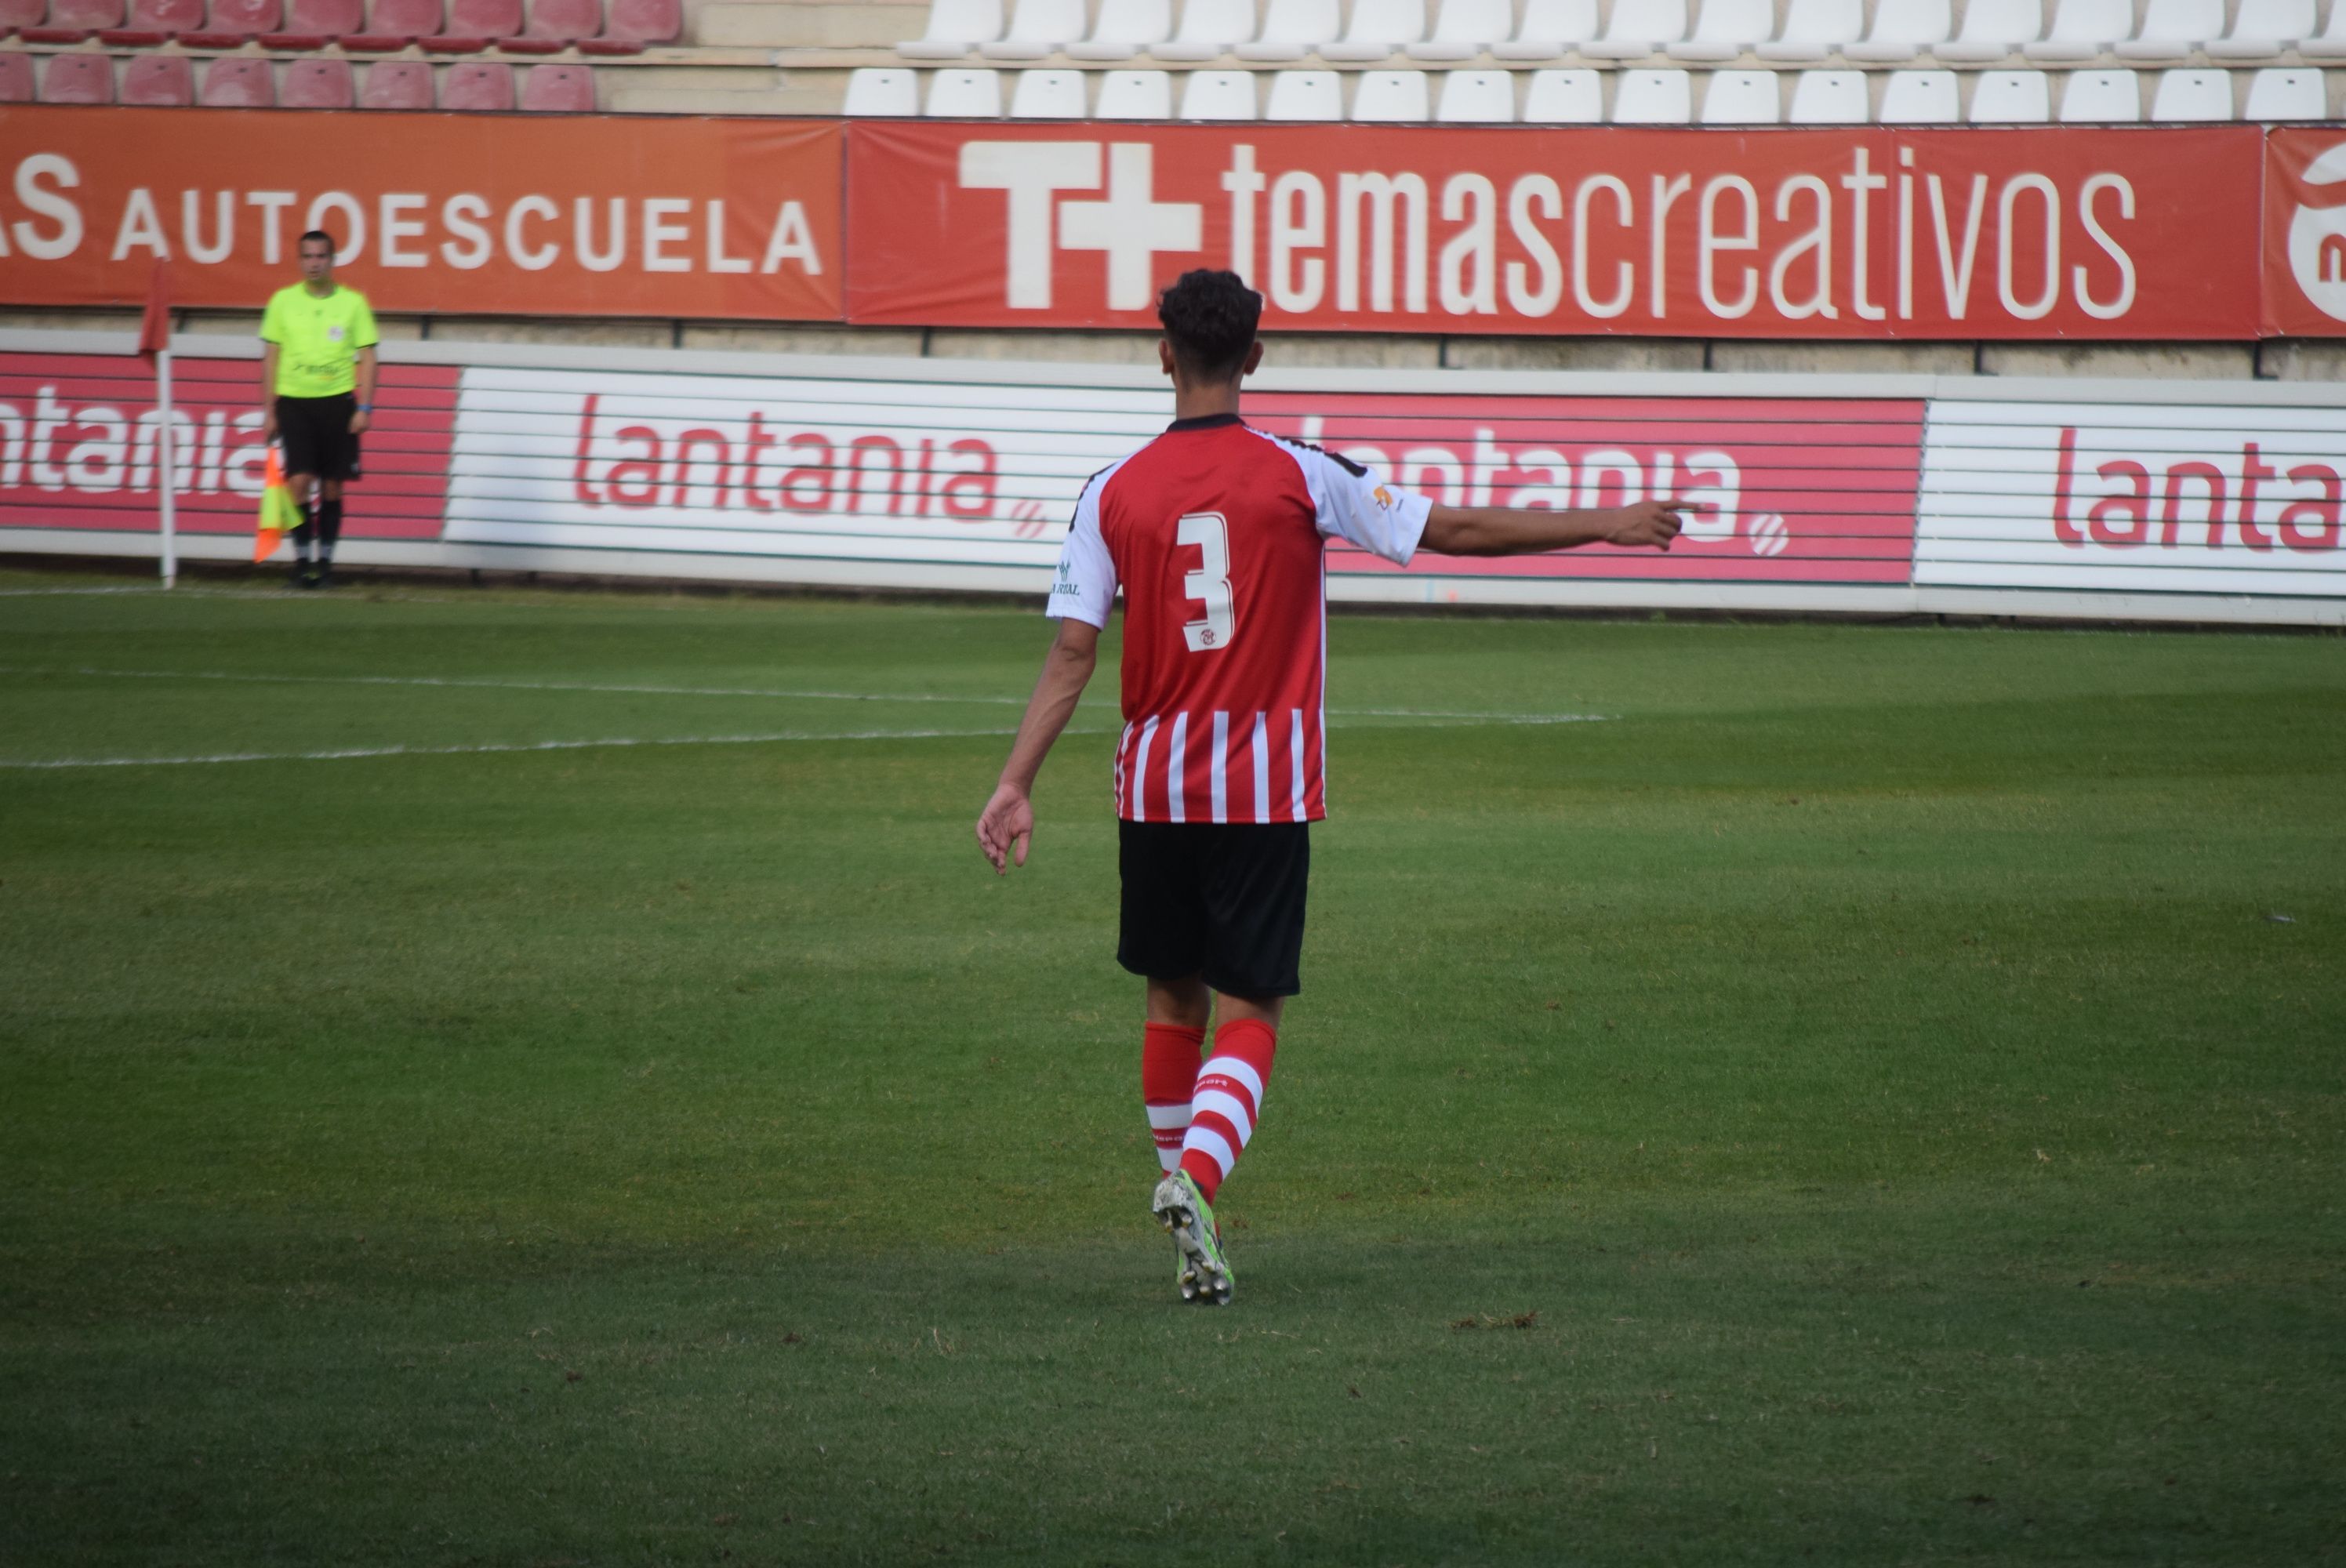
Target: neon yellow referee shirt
318,341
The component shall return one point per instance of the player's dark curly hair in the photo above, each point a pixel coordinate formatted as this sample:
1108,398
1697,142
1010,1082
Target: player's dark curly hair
1209,317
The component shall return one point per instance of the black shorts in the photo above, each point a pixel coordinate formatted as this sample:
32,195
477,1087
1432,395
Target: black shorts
1224,900
316,432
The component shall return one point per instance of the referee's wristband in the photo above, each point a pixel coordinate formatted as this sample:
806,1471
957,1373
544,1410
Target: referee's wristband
366,408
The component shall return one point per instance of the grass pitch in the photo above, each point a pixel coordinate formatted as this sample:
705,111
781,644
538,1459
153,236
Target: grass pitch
1874,1096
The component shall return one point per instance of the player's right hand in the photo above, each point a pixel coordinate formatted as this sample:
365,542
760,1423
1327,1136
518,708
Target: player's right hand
1653,523
268,424
1005,827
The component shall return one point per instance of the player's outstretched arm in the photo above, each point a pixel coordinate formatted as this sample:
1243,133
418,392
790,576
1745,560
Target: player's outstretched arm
1506,531
1007,823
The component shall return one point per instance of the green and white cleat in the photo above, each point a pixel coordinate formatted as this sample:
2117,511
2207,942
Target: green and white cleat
1204,1272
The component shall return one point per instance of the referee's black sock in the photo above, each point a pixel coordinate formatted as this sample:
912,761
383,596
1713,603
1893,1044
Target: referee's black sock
303,532
330,526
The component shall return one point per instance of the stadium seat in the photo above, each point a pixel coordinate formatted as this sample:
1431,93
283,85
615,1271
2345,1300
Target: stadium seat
234,21
1219,96
2262,29
397,85
955,28
1575,97
2171,29
2083,30
239,84
2192,95
151,22
78,79
158,81
1393,97
1742,98
1725,30
965,94
318,84
1638,29
2287,93
395,24
1550,28
2102,99
1135,96
1050,95
1305,96
1125,29
312,23
2331,45
70,22
1901,30
1653,98
560,22
882,92
15,14
1293,30
1476,97
558,89
1462,29
1210,29
1380,29
632,24
1920,98
478,86
1815,30
17,85
474,25
2012,98
1993,30
1830,98
1038,29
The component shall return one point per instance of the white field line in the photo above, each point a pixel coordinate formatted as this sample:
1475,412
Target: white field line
467,683
360,751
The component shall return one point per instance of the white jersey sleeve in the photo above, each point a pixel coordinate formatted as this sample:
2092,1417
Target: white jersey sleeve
1084,589
1360,506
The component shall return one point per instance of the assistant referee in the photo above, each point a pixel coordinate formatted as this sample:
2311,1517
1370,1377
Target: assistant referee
317,391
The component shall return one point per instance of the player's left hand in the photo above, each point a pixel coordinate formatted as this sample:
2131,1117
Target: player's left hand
359,421
1005,827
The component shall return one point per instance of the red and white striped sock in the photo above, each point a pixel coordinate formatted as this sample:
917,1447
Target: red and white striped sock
1169,1072
1228,1100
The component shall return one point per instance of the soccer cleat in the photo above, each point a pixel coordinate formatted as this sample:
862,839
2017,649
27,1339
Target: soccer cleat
1205,1273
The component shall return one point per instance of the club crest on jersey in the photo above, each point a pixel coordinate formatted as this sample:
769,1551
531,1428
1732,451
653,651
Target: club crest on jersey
1385,497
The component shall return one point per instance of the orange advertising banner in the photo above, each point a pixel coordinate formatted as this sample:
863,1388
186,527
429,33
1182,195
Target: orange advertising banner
446,214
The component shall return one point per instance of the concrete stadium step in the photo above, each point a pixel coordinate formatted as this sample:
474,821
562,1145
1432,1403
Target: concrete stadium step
783,24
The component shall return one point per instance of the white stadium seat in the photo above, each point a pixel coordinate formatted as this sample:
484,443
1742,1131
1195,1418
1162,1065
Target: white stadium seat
965,94
1136,96
1725,30
2012,98
1476,97
1305,96
2084,30
1830,98
1920,98
1219,96
1125,29
2171,29
1378,29
1038,30
1816,30
1550,28
2287,93
878,90
1050,95
1901,30
1575,97
1391,95
2262,29
1653,98
1742,98
2331,45
1993,30
1210,29
955,28
1293,30
2192,96
1638,29
2102,99
1465,28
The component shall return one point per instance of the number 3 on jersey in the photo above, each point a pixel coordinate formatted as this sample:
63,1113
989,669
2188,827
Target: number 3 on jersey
1210,533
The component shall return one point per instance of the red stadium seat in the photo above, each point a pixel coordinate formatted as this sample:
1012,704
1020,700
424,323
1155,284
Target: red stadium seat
71,21
471,23
397,85
395,25
566,20
15,14
559,89
318,84
166,81
151,22
482,86
239,84
234,20
78,79
312,23
16,77
646,21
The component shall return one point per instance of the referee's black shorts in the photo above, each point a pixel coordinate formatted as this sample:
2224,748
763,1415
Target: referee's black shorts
1224,900
316,432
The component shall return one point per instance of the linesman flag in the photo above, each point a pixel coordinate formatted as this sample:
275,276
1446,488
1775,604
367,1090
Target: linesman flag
279,515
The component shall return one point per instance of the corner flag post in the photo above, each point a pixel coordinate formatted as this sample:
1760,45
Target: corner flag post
155,344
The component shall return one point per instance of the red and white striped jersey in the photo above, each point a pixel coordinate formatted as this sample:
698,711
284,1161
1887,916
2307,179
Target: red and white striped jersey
1217,534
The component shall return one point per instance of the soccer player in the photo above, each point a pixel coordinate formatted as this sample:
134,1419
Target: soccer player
317,392
1215,532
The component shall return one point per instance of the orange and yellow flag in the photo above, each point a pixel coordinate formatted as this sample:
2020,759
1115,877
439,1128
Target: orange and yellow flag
278,516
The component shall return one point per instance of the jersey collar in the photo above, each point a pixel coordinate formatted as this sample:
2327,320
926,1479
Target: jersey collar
1204,421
